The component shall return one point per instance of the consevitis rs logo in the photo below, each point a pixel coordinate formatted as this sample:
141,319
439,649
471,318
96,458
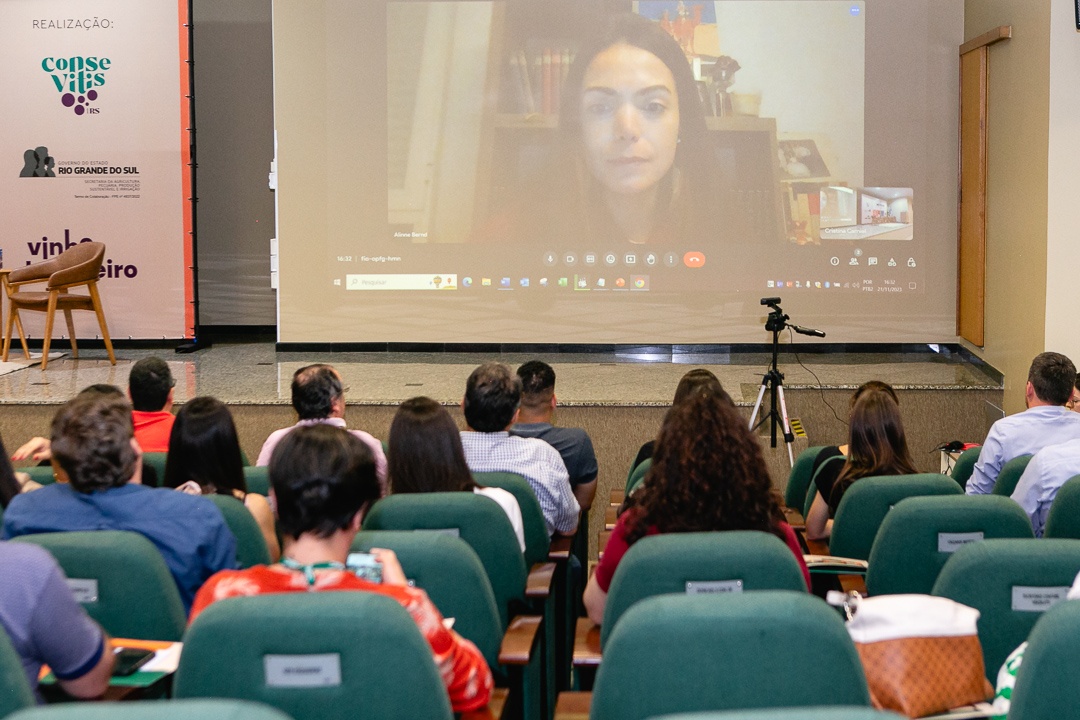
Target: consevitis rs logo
77,79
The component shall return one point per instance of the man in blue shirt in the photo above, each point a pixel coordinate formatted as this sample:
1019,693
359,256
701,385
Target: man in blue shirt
98,465
1043,477
1046,421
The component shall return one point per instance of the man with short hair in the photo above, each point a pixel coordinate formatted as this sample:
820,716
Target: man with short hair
150,387
1045,422
318,396
538,403
492,395
98,467
47,626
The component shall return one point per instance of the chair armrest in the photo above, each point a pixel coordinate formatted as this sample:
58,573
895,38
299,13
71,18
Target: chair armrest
573,706
816,547
560,548
586,643
519,641
611,516
492,711
617,497
853,583
794,518
538,583
601,542
33,273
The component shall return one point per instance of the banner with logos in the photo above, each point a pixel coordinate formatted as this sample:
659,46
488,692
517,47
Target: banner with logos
95,146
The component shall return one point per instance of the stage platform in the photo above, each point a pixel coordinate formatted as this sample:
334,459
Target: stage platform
618,395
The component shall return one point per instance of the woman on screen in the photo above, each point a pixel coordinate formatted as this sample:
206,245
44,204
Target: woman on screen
633,160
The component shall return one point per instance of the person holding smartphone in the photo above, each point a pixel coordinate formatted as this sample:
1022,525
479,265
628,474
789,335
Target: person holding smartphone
323,480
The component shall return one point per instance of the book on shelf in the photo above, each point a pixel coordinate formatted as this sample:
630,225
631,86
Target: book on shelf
536,78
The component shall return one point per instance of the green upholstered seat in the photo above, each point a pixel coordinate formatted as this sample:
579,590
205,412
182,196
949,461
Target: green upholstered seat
1046,684
15,691
768,648
798,483
1063,521
1008,582
154,461
257,479
637,475
375,662
666,564
835,460
135,595
250,544
537,540
476,520
41,474
1010,475
868,500
965,465
141,709
920,533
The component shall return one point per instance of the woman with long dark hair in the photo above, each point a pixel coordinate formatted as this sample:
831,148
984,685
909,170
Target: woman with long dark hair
204,459
877,445
708,474
425,455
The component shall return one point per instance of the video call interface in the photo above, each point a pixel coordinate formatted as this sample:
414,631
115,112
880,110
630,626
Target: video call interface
501,170
785,206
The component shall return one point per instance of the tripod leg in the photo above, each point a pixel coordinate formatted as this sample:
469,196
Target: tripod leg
789,438
757,403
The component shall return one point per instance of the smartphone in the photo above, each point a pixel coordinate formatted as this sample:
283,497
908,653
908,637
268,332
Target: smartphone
365,566
129,659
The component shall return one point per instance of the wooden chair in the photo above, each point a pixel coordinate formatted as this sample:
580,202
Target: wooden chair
76,266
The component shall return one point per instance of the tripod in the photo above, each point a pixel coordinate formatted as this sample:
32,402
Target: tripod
773,379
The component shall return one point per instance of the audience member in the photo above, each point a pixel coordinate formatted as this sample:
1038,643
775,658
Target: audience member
324,480
492,395
204,459
534,420
97,463
1074,399
708,474
1046,421
698,377
38,448
47,626
877,445
150,387
425,455
1048,470
318,396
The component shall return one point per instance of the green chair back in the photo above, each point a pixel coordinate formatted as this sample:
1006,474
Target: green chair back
41,474
921,533
1046,686
832,712
476,520
1063,521
637,475
1010,475
257,479
250,544
156,462
703,562
838,460
1011,583
798,482
374,661
965,465
868,500
537,541
15,691
141,709
121,580
451,574
770,648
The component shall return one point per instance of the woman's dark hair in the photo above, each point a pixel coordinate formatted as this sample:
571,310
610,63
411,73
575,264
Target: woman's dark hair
877,444
564,200
322,476
691,381
91,441
708,473
425,453
874,385
203,447
9,485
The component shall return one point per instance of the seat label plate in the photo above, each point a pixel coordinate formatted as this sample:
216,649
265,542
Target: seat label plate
951,542
85,590
1037,599
708,587
296,671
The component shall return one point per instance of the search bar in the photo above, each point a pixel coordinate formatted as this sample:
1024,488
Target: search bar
415,281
